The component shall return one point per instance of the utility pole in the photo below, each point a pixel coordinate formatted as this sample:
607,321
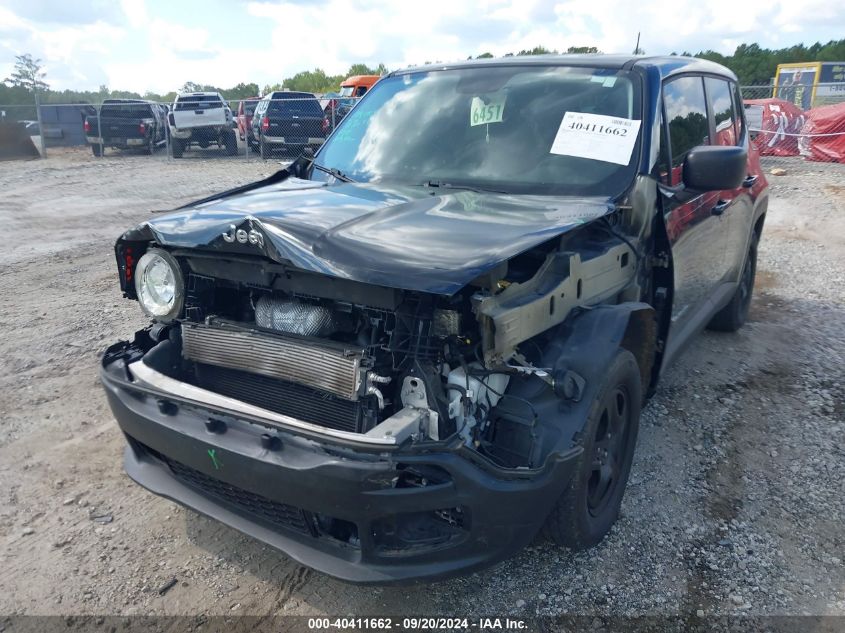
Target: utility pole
40,126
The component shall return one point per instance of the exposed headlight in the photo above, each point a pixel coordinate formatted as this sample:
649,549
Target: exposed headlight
159,285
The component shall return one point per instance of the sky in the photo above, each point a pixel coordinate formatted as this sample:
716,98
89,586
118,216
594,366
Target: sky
158,45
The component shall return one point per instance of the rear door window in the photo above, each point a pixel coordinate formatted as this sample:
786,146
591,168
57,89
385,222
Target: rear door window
724,111
740,112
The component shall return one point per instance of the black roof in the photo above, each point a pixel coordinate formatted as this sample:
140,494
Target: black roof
107,101
665,65
289,94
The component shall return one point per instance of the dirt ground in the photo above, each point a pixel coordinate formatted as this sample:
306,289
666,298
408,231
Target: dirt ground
735,504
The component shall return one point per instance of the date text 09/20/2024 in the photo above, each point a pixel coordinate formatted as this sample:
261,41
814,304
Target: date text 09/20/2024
417,624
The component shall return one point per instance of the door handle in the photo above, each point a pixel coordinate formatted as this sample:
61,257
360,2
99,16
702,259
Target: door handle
720,207
749,181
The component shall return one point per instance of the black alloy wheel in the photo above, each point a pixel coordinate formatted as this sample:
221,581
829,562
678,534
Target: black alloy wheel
609,445
589,505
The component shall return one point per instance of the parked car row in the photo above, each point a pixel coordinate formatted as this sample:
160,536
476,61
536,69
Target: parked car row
281,121
200,118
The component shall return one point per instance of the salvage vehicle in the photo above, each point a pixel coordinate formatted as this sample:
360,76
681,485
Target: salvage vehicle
126,124
288,121
202,118
403,357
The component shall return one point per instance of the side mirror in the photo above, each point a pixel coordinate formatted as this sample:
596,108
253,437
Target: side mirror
715,167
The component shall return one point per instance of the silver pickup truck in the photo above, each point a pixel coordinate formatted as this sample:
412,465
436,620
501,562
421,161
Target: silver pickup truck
202,118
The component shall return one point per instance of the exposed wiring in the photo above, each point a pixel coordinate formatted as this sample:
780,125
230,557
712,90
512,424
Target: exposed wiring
621,237
478,356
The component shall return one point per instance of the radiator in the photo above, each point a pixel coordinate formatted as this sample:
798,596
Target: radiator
334,368
283,397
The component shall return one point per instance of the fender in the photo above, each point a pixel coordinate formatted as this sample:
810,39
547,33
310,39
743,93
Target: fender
588,341
585,344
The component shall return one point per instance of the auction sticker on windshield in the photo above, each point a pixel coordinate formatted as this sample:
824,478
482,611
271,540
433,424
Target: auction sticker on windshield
606,138
489,111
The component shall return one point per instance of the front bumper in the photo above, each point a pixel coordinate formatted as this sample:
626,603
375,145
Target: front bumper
284,493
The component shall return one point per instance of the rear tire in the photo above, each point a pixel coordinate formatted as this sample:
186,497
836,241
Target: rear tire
97,150
589,506
178,146
231,143
265,150
734,315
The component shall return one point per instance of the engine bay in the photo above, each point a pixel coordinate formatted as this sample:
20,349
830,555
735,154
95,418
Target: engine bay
387,365
414,371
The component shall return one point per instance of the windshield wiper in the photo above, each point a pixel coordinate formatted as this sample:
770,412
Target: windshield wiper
329,170
449,185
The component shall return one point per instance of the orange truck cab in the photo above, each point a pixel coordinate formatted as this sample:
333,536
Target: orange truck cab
357,85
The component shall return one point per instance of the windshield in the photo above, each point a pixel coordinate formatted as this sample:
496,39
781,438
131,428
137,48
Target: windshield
346,91
527,129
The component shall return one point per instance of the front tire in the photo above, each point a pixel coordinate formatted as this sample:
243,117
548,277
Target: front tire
590,505
734,315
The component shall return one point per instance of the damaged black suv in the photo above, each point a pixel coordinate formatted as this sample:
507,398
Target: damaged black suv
404,356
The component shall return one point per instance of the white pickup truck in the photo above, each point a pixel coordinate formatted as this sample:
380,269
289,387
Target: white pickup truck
202,118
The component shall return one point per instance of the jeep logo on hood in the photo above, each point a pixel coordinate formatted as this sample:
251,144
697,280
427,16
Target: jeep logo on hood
234,234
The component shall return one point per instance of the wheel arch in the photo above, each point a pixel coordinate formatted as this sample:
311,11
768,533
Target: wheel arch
759,222
761,208
589,340
578,354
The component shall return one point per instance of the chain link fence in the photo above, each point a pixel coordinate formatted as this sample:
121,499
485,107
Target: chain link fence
793,123
787,123
279,126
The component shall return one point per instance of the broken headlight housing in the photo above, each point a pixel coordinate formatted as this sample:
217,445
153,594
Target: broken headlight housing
160,285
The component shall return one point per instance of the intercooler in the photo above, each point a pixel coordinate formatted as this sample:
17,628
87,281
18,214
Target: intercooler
317,364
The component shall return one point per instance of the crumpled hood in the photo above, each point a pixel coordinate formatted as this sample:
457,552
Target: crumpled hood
415,238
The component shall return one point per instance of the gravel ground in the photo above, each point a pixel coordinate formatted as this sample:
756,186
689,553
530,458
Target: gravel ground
735,504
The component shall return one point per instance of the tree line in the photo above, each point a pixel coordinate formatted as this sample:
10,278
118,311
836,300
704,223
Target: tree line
755,66
752,64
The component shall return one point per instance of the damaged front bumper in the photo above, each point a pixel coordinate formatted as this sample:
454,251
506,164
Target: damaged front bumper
362,512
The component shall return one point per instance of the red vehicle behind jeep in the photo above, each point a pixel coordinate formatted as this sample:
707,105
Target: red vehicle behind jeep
244,118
